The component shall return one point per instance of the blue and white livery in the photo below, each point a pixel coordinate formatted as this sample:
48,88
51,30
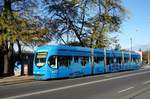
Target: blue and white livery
68,61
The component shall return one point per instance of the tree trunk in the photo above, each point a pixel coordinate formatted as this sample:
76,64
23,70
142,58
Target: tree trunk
6,64
19,50
11,58
19,56
1,62
7,5
5,50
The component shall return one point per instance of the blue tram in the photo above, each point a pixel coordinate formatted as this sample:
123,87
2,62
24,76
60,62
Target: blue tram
58,61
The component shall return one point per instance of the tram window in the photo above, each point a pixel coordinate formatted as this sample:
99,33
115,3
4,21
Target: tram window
109,61
40,59
67,61
126,60
87,59
114,60
52,61
64,61
101,59
135,60
96,60
61,61
119,60
76,59
138,60
84,60
69,58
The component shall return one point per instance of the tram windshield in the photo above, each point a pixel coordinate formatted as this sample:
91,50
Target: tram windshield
40,59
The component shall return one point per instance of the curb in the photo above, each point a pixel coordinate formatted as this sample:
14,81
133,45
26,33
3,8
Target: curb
18,81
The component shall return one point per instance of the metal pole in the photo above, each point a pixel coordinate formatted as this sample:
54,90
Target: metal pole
131,43
122,57
131,50
105,60
148,57
92,55
92,52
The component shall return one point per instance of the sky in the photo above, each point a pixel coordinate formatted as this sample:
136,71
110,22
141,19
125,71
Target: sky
137,26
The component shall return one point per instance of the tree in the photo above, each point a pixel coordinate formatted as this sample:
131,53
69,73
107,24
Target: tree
73,18
15,27
146,57
67,21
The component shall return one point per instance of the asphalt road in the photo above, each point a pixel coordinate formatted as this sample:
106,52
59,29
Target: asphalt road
122,85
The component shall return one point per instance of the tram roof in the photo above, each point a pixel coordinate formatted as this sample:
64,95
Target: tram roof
78,48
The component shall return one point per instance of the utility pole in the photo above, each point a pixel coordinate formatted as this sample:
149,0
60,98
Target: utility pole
92,55
105,60
122,58
131,49
148,57
131,43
